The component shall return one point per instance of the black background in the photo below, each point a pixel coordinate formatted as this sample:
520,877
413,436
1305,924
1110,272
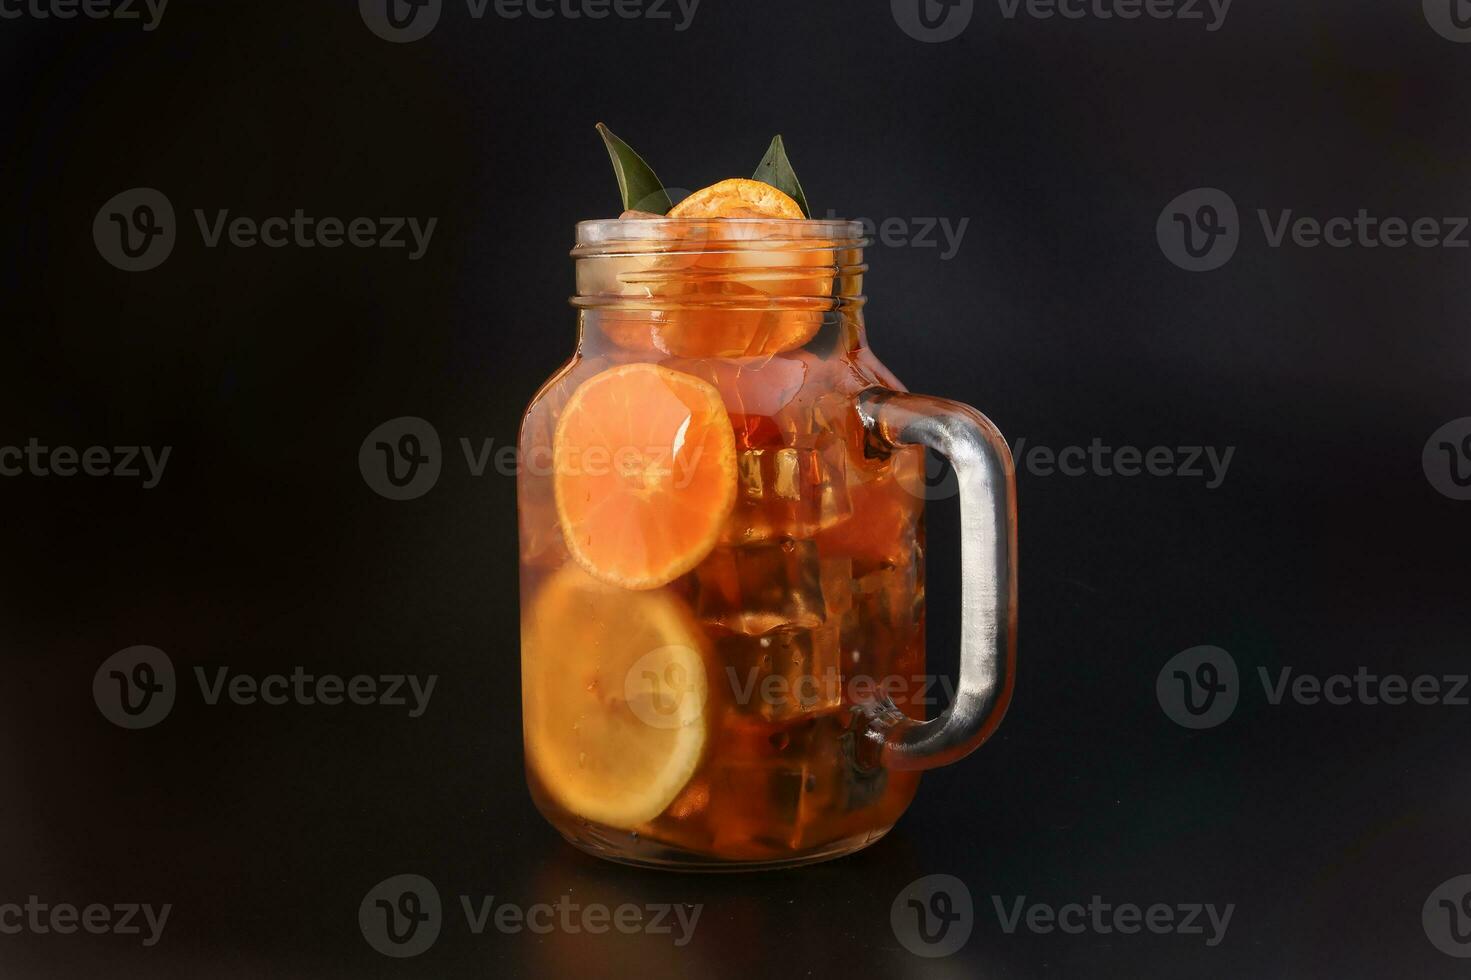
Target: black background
1325,548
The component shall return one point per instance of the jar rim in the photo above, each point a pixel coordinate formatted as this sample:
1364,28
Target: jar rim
601,235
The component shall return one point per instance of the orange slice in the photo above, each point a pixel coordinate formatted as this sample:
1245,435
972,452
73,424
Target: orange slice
757,287
614,692
738,197
725,301
644,473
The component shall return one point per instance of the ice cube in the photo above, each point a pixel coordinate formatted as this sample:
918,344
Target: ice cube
781,674
751,588
772,783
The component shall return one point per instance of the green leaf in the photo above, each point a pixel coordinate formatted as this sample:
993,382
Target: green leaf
638,184
775,169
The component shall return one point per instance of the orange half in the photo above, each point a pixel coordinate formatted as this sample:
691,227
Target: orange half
741,301
644,472
738,197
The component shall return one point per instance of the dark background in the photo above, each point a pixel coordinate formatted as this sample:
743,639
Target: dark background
1326,548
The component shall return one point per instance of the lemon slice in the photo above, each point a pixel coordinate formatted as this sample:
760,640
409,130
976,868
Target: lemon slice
614,695
737,197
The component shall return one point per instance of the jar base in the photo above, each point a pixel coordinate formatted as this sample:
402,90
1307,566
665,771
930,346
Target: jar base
659,856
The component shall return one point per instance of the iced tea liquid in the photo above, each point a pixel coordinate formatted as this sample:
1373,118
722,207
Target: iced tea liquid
809,608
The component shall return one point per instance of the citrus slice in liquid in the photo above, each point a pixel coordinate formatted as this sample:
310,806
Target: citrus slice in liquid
614,694
644,472
738,197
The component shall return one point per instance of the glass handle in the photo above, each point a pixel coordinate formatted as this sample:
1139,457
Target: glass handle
987,482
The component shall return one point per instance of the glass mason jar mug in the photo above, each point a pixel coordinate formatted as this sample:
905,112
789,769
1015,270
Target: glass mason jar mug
722,555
